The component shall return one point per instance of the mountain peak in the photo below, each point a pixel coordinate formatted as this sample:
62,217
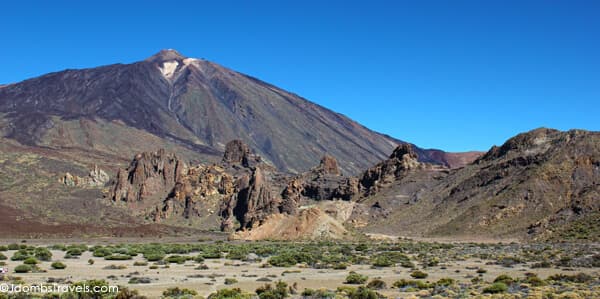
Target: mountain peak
166,55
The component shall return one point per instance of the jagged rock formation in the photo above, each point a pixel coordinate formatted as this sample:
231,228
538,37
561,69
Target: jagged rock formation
534,182
324,182
162,187
190,194
238,153
149,174
254,201
402,160
95,178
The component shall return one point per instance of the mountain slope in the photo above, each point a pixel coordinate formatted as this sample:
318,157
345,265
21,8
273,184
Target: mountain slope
535,184
193,103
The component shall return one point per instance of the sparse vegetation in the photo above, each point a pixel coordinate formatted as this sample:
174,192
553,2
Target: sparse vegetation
497,287
58,266
229,281
376,284
419,274
355,278
179,293
23,268
304,258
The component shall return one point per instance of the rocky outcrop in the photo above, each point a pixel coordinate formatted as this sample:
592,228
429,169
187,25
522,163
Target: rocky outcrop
324,182
189,196
252,202
310,223
402,160
96,178
148,174
328,166
238,153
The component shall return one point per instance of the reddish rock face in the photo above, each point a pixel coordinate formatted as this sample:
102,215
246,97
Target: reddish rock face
329,165
236,152
147,175
188,197
254,200
402,160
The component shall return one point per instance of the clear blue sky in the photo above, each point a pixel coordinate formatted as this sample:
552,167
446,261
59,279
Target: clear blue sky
455,75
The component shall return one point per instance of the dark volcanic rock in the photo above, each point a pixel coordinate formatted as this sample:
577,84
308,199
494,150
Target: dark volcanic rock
402,160
147,175
323,182
253,202
328,166
191,193
236,151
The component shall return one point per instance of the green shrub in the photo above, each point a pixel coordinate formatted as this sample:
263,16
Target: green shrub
91,262
154,256
229,294
198,259
505,279
74,252
363,293
31,261
288,259
497,287
3,248
211,254
280,291
445,282
23,269
13,246
43,254
318,294
229,281
102,252
355,278
382,261
3,257
179,259
117,257
534,280
417,284
177,292
58,266
376,284
20,255
419,274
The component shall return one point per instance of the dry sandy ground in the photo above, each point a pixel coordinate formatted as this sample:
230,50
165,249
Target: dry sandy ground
187,276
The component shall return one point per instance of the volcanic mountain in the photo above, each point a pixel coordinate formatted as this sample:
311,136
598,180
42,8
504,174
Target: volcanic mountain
189,106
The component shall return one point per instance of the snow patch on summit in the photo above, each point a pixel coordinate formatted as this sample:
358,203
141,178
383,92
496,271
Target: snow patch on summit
168,68
189,61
